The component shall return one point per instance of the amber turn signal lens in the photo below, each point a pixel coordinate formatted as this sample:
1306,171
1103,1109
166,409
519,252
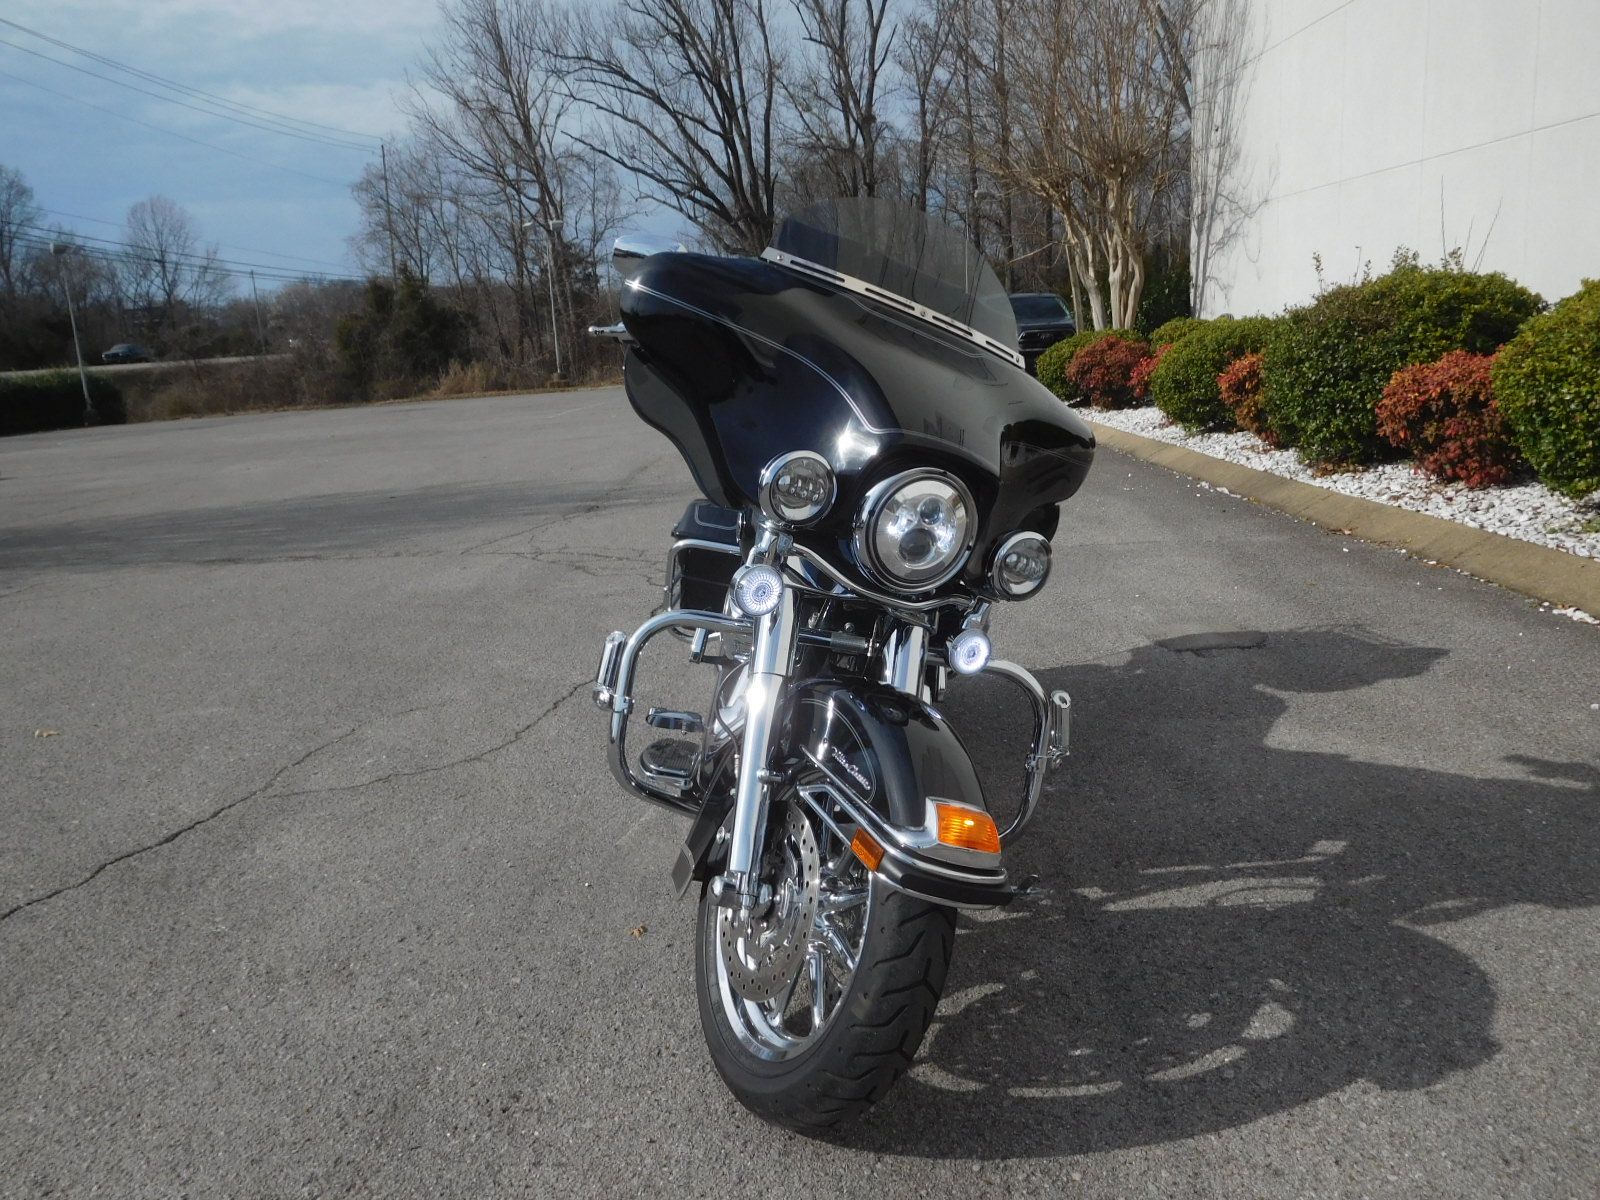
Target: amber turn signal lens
866,848
969,828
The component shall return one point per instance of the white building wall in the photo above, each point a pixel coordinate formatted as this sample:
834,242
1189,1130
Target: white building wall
1366,125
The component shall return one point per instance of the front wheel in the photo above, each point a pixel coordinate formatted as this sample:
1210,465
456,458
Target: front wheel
814,1007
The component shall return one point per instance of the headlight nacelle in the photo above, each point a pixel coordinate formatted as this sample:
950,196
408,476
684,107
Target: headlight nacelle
915,530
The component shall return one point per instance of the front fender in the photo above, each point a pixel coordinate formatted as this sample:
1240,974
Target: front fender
890,755
892,751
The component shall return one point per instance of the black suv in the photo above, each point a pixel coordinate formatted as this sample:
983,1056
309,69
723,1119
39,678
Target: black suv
1043,319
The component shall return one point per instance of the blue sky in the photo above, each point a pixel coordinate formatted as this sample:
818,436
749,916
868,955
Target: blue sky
336,62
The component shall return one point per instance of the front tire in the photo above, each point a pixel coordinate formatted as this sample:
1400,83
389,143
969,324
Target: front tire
782,1063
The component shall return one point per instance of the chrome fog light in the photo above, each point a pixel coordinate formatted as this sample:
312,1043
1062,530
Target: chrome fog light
968,651
797,488
1021,565
757,589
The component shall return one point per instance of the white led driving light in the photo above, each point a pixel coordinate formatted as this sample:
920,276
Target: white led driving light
1021,565
915,530
797,488
757,589
968,651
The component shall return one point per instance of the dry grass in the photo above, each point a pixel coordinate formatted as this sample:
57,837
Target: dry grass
199,390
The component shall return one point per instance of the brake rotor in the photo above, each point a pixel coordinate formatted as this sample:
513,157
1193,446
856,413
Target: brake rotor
763,953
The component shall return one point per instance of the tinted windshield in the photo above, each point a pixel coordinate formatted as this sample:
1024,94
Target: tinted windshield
1039,308
890,244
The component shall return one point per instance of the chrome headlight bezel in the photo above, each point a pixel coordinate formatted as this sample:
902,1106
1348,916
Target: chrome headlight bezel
871,509
1002,589
770,501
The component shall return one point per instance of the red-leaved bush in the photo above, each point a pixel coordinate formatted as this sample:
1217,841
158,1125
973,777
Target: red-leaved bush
1239,384
1445,414
1140,379
1102,372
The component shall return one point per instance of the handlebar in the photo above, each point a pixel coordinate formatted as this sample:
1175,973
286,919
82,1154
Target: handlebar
611,333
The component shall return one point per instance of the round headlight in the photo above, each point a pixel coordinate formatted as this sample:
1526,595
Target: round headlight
915,530
1021,565
796,488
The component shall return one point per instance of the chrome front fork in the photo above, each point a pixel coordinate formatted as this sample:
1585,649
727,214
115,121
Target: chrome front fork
771,664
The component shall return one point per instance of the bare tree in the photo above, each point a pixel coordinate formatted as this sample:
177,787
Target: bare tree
684,95
1100,132
408,216
924,56
508,193
165,267
837,93
20,221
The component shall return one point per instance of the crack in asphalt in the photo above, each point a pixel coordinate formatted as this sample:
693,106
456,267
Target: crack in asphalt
265,791
476,756
180,831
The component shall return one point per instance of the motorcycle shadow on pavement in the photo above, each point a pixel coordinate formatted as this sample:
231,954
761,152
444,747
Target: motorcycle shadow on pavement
1229,929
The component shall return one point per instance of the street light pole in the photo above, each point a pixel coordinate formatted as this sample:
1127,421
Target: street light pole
60,250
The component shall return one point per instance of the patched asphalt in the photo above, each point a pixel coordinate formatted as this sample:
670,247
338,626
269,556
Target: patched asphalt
316,883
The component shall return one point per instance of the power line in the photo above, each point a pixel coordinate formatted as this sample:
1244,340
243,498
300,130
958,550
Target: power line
315,139
112,258
174,133
46,231
163,81
321,262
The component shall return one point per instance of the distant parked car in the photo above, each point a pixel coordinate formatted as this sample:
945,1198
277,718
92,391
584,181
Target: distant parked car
126,352
1043,319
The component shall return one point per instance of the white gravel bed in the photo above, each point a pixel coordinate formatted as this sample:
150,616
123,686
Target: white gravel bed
1529,511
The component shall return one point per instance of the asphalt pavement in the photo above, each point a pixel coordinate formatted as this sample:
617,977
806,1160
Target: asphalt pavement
314,880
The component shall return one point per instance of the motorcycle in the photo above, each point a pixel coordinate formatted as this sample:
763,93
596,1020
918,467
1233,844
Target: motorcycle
879,473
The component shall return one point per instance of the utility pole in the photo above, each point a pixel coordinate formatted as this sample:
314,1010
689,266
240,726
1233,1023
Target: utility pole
256,296
60,250
388,212
552,231
555,338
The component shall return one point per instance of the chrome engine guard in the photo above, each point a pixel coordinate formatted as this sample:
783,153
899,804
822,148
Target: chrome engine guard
613,692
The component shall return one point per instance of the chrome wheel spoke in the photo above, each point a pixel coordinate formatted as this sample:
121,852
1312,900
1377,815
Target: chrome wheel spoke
779,1004
819,985
832,941
829,903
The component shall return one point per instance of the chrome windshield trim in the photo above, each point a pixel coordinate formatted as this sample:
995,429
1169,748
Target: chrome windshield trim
862,288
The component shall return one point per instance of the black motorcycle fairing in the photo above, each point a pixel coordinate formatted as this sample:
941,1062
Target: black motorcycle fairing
739,360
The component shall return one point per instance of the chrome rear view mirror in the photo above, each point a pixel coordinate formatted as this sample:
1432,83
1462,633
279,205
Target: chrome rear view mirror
631,249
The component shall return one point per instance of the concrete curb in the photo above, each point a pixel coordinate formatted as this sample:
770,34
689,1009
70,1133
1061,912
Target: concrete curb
1534,570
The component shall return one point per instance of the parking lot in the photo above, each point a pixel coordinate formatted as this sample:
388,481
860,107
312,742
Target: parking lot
315,882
